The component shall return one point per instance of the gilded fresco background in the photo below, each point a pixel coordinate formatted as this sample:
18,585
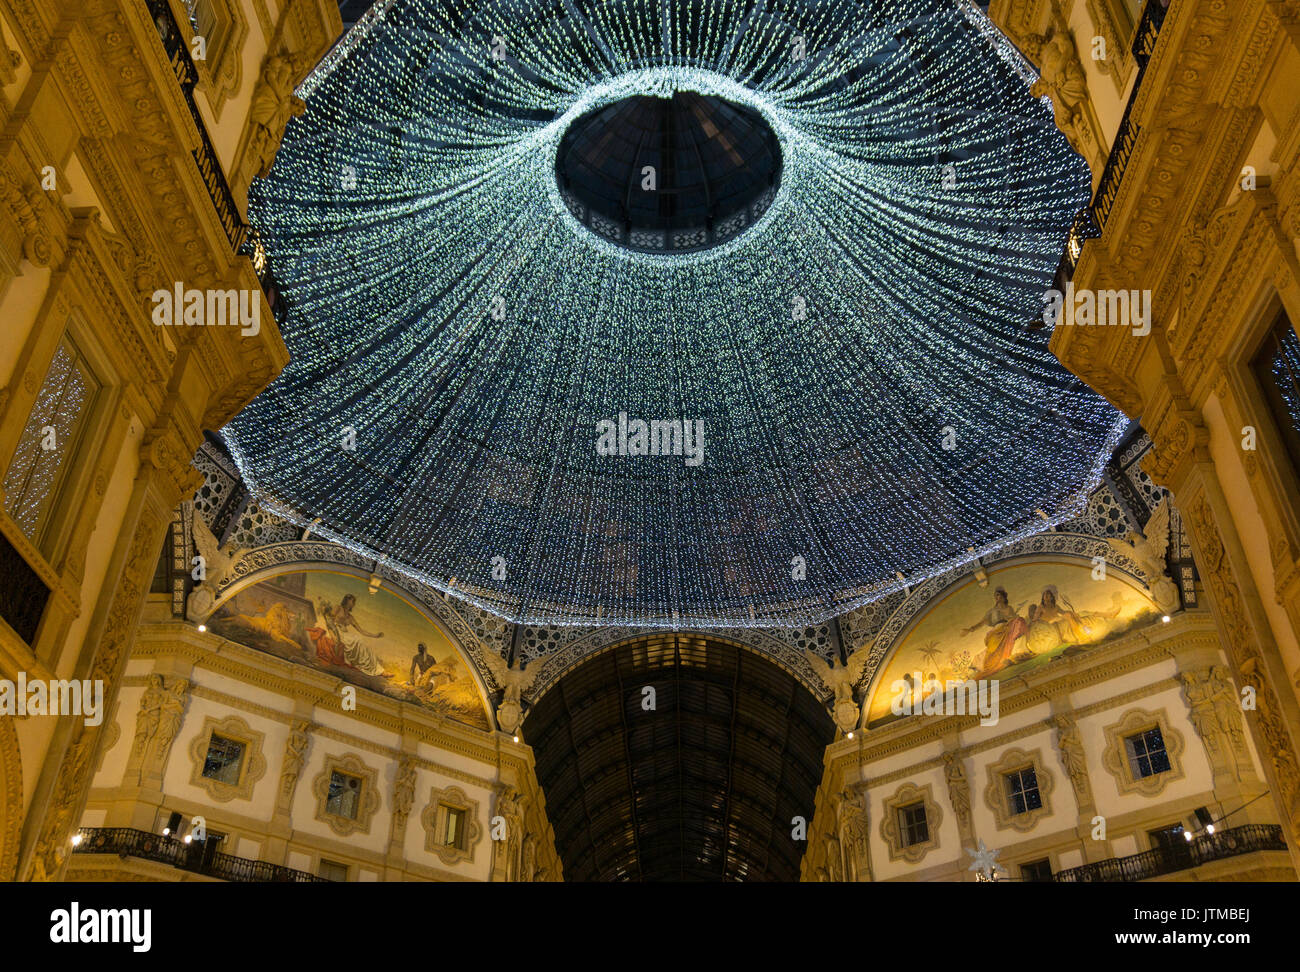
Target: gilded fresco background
332,622
1028,616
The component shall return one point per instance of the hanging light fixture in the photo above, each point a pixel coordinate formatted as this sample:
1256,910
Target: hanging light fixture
824,394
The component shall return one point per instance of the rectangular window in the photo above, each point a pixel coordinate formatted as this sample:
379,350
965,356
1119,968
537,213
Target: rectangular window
1022,791
912,824
1037,870
344,795
453,834
203,18
224,760
51,437
1277,369
1146,753
332,870
1168,838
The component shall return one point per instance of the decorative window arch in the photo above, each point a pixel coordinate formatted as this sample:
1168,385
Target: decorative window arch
367,800
997,796
891,829
1116,757
451,809
252,764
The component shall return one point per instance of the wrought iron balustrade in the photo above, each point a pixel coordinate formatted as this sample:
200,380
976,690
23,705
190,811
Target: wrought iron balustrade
1179,857
205,156
128,842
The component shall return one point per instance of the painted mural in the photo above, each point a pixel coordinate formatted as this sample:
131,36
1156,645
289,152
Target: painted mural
332,622
1027,617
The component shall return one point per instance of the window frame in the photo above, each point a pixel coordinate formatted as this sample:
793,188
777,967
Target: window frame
1115,758
368,800
322,862
997,790
913,824
338,799
240,760
434,820
252,766
1147,753
891,833
53,538
1264,400
1051,872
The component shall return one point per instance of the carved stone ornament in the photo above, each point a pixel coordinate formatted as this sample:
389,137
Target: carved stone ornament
1116,758
252,766
891,829
434,820
367,801
997,796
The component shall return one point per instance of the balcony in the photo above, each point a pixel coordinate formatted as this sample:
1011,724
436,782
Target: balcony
126,842
1167,860
1091,221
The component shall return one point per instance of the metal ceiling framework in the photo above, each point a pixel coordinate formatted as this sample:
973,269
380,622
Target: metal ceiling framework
703,787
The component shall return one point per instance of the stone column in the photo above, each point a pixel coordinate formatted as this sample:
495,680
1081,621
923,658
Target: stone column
61,790
297,748
1248,639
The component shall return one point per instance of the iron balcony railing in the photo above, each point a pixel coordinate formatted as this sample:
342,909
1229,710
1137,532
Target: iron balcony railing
1180,856
1091,221
205,156
128,842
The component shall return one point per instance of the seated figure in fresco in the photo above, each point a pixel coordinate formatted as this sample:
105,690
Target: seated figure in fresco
1006,627
335,645
1054,623
276,623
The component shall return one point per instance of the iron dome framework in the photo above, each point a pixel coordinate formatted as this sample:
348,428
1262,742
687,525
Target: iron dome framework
703,786
874,408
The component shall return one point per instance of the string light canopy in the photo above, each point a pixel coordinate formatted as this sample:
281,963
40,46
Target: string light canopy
840,397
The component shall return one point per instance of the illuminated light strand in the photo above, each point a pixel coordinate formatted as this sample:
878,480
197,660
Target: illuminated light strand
823,437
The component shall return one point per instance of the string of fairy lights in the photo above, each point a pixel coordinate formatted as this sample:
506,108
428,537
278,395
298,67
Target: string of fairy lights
875,406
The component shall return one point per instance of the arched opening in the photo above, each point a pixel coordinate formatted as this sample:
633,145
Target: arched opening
679,757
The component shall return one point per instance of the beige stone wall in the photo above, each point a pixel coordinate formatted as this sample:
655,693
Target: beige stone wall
102,203
279,819
1205,218
1122,687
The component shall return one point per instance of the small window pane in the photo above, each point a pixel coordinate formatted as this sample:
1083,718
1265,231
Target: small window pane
54,426
913,825
224,759
1146,754
203,18
1022,791
454,831
344,795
